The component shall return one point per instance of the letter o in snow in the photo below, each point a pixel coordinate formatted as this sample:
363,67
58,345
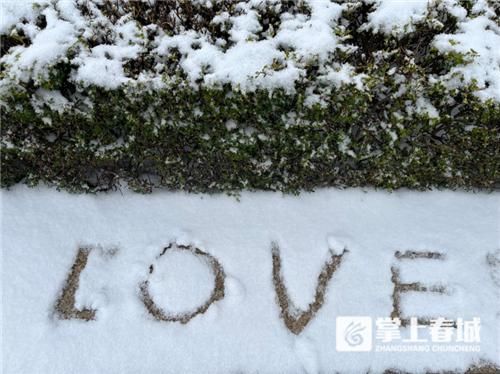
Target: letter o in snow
185,316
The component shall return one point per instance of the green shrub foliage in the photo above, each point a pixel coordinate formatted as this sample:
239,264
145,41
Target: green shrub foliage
211,138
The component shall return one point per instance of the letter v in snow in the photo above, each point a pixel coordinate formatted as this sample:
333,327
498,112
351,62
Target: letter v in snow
295,319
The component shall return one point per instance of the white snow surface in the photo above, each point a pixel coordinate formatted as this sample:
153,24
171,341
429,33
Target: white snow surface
391,16
480,38
42,230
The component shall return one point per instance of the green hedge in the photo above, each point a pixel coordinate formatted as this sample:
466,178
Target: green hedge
220,138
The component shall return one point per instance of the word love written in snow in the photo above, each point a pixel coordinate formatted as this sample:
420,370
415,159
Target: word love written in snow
294,318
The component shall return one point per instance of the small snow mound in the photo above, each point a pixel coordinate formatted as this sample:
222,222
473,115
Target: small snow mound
392,16
336,244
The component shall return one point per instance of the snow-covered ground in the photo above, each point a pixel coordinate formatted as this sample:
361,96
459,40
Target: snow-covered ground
125,236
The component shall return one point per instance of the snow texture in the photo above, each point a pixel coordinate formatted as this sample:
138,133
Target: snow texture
243,332
480,39
392,16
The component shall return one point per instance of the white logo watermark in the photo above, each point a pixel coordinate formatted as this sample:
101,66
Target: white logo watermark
355,334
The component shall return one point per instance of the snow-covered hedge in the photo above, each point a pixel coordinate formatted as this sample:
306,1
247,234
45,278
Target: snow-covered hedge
267,94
